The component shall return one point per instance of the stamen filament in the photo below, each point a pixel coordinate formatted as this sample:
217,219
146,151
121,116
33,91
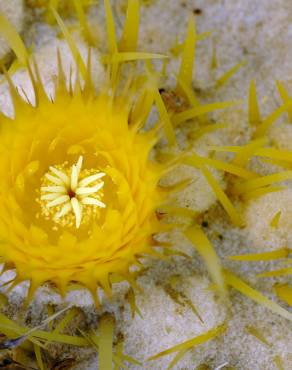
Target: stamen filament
59,200
85,190
64,211
50,196
54,180
77,211
54,189
61,175
93,201
88,180
74,178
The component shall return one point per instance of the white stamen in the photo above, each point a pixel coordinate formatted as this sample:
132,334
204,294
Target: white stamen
60,200
93,201
64,211
85,191
79,164
61,175
50,196
71,197
54,189
77,211
88,180
54,180
74,178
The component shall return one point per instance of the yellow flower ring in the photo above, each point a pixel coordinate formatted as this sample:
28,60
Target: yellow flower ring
79,184
78,192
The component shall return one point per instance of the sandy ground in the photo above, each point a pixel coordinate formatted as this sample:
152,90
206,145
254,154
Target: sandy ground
257,32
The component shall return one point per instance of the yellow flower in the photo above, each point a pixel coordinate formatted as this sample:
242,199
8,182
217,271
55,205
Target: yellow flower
79,184
79,193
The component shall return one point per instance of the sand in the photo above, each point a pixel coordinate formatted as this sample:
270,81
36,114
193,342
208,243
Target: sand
257,32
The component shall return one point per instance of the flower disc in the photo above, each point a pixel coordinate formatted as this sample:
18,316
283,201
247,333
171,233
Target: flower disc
115,192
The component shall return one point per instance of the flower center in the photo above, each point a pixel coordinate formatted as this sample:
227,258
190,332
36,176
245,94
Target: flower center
71,196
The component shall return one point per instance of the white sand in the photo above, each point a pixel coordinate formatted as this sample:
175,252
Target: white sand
258,32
